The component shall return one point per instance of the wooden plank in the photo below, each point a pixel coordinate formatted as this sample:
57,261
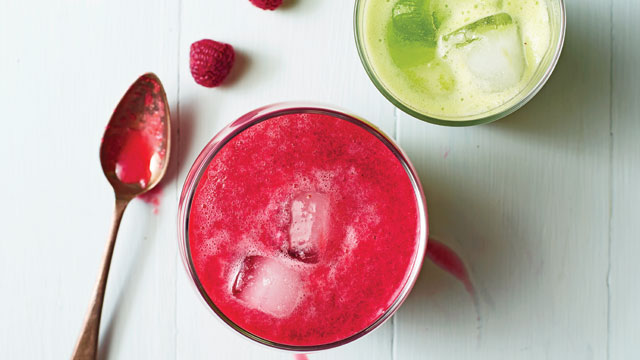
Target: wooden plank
625,230
303,51
525,201
64,65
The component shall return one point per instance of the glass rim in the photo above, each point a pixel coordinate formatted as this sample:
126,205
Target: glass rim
238,126
476,119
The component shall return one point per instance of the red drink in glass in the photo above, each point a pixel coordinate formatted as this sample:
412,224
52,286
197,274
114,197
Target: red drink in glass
303,228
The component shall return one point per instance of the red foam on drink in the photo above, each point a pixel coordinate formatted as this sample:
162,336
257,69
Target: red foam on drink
245,205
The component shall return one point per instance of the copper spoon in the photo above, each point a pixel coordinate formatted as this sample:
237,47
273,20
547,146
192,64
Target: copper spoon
137,134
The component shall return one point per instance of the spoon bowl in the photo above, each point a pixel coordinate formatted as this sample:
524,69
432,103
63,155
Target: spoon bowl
134,155
136,143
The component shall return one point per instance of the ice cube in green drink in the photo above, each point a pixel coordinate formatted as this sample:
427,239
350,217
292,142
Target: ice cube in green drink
412,21
411,34
491,49
407,53
472,32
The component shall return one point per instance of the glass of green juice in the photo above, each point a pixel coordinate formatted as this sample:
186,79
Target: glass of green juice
459,62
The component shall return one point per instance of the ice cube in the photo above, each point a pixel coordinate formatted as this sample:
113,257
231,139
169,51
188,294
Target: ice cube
309,227
413,21
411,36
406,54
471,32
267,285
498,61
492,50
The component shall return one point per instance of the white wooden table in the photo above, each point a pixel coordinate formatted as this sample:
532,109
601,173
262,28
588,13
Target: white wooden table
543,205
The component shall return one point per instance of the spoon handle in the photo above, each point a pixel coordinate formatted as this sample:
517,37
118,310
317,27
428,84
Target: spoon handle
87,345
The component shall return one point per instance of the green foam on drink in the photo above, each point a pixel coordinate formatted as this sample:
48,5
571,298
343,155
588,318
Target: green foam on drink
436,77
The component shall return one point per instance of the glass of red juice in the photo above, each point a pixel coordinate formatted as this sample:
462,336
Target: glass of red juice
302,227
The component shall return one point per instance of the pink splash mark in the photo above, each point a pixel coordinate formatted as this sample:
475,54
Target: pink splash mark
450,262
446,153
152,197
300,357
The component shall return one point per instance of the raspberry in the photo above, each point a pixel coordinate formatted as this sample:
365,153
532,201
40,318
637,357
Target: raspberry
267,4
210,62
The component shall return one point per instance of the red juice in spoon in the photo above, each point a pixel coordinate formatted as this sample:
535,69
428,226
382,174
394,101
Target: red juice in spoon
132,149
305,229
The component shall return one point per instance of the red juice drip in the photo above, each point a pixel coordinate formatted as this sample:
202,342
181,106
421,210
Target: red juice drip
152,197
300,357
449,261
303,229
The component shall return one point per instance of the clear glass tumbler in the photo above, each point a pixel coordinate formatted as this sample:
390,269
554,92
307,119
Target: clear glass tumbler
243,123
558,23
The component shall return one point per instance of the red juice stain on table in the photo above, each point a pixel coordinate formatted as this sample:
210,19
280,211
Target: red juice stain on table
449,261
303,229
152,197
133,149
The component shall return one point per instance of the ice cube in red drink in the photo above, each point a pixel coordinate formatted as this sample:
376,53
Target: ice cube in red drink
267,285
309,226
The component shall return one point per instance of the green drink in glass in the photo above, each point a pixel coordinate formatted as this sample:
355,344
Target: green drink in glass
459,62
